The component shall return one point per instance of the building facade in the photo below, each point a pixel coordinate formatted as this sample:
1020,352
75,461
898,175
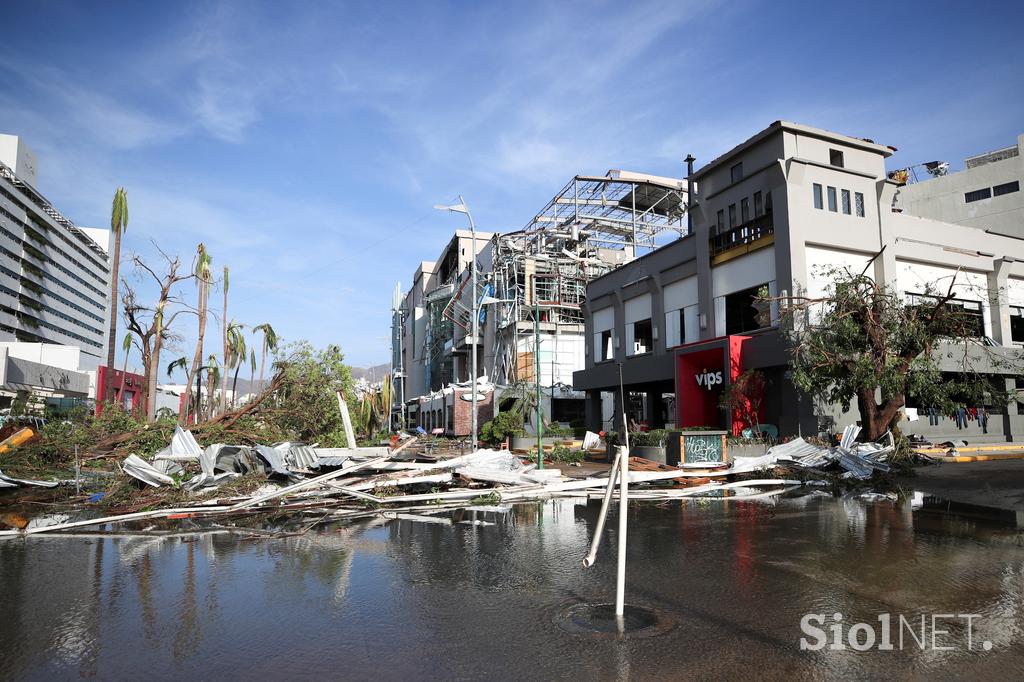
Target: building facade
986,194
530,287
770,218
54,275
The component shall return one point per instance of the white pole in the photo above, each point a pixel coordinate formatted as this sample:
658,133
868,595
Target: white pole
476,317
620,577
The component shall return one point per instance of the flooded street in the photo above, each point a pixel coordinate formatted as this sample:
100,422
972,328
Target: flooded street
411,599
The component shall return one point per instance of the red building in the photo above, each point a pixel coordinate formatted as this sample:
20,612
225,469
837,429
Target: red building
127,388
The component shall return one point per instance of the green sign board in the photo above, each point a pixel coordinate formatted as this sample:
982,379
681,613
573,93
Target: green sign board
698,447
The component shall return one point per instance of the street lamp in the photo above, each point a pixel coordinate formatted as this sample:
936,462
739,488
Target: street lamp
486,300
461,207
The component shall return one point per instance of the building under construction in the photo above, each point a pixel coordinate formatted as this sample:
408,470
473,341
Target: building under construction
531,284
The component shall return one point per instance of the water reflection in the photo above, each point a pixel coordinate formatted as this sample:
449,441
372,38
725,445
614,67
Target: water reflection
470,596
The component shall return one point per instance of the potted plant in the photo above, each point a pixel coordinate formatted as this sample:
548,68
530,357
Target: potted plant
649,445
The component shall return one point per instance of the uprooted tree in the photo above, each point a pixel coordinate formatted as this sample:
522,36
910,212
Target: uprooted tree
863,341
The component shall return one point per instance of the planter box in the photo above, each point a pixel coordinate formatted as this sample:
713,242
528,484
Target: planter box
696,447
655,453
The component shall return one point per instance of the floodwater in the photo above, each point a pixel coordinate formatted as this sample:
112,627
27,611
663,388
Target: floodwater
408,599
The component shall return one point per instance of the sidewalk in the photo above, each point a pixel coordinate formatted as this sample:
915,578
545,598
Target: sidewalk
998,483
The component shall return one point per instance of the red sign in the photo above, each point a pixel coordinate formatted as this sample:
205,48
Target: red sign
703,370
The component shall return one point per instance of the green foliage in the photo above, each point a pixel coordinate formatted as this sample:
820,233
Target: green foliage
556,430
311,380
563,454
504,425
655,438
863,340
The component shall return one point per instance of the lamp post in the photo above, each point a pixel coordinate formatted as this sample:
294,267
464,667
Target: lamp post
536,371
461,207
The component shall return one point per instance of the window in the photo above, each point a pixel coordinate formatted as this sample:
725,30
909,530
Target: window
643,337
1006,188
768,202
736,172
818,202
732,216
604,345
1017,324
858,202
832,199
744,210
966,319
741,315
978,195
845,195
758,205
721,221
835,157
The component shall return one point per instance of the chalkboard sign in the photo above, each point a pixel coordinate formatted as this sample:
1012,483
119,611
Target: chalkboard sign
699,447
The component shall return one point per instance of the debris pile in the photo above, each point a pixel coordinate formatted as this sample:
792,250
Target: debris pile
858,460
329,484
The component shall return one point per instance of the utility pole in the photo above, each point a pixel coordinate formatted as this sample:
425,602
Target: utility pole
689,193
536,362
461,207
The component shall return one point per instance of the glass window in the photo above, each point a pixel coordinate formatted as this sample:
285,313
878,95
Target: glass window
845,195
744,210
835,157
978,195
721,221
736,172
818,202
732,216
1006,188
1017,324
858,200
643,337
768,201
832,206
758,205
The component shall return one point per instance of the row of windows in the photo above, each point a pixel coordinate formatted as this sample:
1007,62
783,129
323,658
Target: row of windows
47,292
834,200
56,281
53,311
47,325
54,263
989,192
762,206
50,244
64,238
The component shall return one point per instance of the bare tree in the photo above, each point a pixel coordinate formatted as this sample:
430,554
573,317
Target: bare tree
151,326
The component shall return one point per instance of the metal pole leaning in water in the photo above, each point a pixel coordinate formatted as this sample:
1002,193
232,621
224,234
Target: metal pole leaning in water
589,560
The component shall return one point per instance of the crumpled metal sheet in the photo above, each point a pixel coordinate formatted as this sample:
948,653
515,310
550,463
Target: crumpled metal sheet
138,468
301,456
275,459
183,447
11,482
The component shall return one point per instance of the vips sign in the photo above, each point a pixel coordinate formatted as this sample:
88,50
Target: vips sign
703,370
709,379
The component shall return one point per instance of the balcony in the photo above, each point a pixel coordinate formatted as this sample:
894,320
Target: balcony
750,236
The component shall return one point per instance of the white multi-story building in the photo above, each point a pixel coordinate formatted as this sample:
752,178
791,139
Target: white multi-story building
54,275
770,217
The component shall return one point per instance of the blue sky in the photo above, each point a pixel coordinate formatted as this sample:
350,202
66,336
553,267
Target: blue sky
306,142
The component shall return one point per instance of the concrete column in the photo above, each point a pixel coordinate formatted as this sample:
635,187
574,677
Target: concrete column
592,411
999,304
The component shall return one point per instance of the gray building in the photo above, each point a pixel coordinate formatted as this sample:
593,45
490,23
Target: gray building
985,194
533,281
54,275
771,216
